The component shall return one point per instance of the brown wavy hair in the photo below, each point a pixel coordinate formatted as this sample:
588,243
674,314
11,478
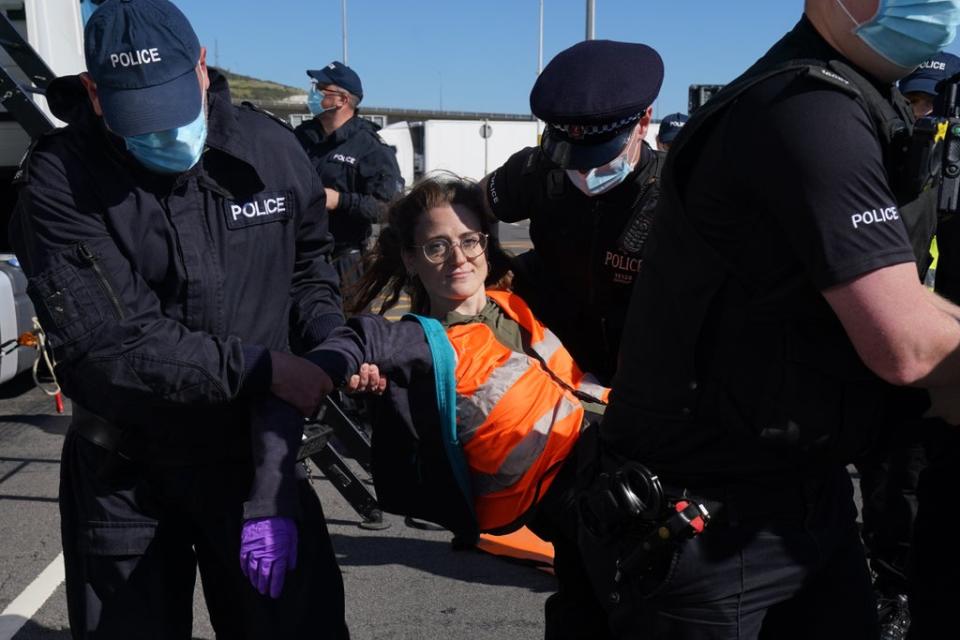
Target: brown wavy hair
384,272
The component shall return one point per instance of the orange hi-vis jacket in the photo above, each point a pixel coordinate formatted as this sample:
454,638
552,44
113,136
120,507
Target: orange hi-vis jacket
518,415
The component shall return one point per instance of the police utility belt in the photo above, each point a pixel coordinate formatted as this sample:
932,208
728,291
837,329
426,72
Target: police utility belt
633,501
96,430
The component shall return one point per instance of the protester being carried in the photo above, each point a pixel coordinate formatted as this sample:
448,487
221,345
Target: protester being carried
478,427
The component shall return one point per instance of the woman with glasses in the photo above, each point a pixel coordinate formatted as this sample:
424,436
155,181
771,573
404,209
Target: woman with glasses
478,426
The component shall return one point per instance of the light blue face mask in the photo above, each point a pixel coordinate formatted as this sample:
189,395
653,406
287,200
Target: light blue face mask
603,178
907,32
315,100
171,151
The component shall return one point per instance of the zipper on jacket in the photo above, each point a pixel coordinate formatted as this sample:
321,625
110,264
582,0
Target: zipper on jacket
594,256
93,260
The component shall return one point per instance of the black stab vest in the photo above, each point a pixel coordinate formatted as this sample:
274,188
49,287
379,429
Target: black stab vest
705,350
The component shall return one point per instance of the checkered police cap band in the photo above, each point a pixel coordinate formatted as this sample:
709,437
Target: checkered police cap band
579,131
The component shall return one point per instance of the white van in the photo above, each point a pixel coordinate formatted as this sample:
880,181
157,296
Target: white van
54,29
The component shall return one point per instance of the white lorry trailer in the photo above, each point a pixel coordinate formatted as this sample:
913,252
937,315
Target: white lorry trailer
459,146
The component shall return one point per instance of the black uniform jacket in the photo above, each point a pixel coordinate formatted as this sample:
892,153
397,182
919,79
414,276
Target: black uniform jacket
587,249
355,162
160,295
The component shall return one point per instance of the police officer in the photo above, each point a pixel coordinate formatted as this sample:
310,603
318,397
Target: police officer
784,265
920,87
919,474
890,473
174,245
589,191
358,169
669,128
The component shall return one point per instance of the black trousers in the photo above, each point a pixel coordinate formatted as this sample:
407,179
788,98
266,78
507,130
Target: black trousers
889,480
573,612
134,535
775,564
934,570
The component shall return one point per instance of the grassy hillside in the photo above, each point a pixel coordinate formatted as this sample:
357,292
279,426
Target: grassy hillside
256,91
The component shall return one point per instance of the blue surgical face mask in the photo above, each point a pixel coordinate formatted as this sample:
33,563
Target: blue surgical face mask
172,151
315,100
603,178
907,32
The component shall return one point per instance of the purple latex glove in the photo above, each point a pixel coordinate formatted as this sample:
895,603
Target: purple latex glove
268,549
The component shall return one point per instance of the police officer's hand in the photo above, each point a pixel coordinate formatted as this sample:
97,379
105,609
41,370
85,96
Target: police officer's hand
333,199
268,550
299,382
367,380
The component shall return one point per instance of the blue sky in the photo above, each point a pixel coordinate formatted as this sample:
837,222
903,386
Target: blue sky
481,55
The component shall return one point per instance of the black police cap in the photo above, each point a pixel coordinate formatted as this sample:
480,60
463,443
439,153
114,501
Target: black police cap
591,97
339,74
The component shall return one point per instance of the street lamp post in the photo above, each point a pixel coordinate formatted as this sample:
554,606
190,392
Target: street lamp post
540,63
343,12
591,15
540,42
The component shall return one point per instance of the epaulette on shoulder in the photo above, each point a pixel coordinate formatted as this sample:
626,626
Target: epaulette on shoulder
832,78
23,168
532,163
249,105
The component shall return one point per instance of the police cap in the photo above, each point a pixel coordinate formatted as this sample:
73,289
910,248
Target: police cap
670,127
143,56
591,97
339,74
928,75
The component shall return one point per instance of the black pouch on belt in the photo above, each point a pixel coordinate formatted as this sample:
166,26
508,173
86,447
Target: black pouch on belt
611,524
631,529
118,462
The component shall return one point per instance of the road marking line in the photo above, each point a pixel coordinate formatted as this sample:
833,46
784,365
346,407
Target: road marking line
26,605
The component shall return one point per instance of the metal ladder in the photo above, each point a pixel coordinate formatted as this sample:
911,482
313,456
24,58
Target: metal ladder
15,97
317,448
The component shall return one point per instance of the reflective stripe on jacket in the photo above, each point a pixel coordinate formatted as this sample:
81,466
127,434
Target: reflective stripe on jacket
516,424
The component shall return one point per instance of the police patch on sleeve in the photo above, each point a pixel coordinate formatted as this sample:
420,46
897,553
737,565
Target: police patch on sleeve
262,208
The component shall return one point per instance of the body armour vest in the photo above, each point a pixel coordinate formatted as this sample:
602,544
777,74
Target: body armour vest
707,350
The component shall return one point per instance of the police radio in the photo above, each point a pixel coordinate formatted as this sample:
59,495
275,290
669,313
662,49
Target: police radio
936,147
948,133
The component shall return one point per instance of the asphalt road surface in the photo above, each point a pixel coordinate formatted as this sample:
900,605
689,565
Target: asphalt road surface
400,582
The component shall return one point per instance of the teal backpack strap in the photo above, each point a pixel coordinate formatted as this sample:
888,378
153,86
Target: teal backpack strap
444,367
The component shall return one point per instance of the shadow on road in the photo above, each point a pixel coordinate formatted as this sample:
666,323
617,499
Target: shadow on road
30,630
437,558
51,423
13,498
34,631
17,386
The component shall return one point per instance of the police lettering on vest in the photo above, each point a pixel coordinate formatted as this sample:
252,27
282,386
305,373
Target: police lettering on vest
135,58
257,208
874,215
934,64
628,265
492,189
